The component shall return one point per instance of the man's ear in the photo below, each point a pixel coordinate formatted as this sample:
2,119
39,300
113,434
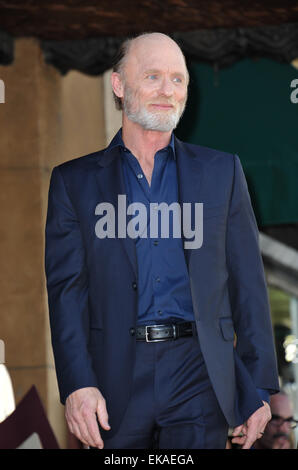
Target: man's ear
117,84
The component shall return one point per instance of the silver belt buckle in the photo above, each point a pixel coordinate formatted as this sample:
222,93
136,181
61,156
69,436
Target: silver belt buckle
157,340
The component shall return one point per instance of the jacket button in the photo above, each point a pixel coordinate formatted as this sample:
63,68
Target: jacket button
132,331
134,285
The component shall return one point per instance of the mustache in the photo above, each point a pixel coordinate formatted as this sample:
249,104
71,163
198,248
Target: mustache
280,434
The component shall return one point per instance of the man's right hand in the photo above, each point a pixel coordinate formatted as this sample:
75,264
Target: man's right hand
81,408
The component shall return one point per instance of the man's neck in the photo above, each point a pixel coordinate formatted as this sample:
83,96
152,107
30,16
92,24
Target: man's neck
143,143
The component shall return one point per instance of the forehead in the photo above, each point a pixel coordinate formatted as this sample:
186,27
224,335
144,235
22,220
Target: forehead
152,54
281,405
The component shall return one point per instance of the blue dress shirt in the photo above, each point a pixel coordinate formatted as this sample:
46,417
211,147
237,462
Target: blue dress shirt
163,281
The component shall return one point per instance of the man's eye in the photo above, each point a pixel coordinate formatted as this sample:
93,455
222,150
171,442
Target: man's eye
152,77
177,80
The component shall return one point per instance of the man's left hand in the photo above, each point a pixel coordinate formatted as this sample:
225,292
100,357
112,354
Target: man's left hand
246,434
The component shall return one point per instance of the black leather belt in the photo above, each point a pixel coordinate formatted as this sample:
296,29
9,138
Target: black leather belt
154,333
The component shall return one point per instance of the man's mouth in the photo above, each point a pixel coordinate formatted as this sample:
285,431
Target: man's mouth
162,106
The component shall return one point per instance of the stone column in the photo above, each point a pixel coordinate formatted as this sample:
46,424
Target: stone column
46,119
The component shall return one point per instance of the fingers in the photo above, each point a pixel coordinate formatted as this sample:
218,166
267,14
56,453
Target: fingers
102,414
81,411
239,435
247,438
84,426
253,429
238,430
94,437
75,428
251,437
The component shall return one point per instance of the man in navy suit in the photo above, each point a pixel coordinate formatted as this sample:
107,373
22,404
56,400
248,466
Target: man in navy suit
158,305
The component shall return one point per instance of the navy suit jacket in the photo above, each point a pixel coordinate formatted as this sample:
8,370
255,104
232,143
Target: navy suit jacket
92,282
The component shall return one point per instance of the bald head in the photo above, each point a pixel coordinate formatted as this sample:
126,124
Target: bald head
153,43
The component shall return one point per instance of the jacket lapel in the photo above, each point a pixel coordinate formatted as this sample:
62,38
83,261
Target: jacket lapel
111,184
190,171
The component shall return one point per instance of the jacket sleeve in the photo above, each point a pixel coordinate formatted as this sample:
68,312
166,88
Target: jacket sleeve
67,287
247,288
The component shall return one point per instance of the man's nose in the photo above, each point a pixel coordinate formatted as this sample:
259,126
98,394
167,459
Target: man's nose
167,87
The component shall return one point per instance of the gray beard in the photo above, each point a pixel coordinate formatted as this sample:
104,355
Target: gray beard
150,121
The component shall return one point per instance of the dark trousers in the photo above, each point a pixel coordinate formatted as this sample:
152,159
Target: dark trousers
172,405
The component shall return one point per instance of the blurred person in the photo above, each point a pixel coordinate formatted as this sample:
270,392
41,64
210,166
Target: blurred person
143,327
279,431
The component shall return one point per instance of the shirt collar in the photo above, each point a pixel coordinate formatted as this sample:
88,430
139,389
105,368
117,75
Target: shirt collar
118,142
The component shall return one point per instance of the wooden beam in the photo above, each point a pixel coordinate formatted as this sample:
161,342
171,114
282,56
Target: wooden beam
79,19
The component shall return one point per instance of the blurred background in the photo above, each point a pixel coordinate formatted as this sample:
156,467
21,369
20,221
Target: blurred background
56,104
